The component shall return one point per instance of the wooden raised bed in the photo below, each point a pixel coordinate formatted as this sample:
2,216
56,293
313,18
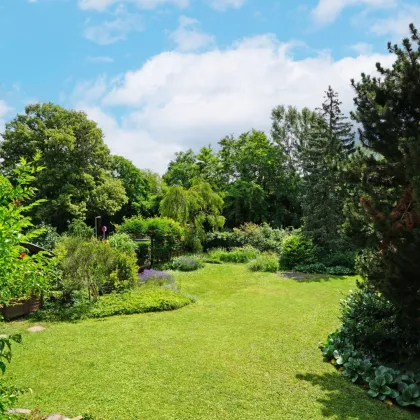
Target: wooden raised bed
17,309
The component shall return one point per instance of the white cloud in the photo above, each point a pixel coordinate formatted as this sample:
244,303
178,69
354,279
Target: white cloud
362,48
327,11
4,111
112,31
188,37
223,5
397,24
175,101
102,5
100,59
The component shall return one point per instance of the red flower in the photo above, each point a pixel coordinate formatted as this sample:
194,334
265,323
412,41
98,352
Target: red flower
22,256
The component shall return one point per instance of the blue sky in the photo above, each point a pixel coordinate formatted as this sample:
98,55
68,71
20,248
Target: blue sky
163,75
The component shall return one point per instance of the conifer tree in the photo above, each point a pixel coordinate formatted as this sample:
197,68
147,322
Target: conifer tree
385,215
330,142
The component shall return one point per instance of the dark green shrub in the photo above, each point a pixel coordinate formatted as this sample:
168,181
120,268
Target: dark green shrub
80,229
185,264
143,251
373,325
265,262
48,239
297,250
340,259
316,268
340,271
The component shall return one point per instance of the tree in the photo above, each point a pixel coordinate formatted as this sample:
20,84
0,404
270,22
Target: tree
328,146
386,208
182,170
260,187
137,185
199,207
76,181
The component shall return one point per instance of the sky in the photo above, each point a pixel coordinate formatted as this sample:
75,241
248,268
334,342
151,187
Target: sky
160,76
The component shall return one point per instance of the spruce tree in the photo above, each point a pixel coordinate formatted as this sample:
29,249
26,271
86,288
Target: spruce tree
330,142
384,217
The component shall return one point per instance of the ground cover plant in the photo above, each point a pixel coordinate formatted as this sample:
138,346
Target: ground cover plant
249,340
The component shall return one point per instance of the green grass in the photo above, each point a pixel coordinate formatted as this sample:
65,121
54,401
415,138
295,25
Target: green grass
247,349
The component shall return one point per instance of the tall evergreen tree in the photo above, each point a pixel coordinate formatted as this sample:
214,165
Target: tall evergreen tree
385,216
330,142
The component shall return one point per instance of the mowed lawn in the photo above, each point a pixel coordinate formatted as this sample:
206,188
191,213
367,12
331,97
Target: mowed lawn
247,349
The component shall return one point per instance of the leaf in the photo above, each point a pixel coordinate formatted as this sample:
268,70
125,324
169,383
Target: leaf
373,393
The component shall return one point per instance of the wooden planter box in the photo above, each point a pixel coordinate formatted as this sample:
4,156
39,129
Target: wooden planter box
21,308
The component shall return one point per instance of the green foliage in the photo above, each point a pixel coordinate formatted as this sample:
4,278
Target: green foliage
143,250
136,227
139,301
76,179
185,264
373,325
49,237
339,259
383,210
261,187
137,185
150,298
123,242
320,268
235,255
95,266
80,229
199,207
297,250
20,274
262,237
266,262
380,384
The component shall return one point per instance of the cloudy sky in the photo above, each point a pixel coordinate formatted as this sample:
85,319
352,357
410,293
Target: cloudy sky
160,76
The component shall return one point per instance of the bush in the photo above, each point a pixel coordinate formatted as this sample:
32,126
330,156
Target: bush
316,268
122,242
80,229
143,252
139,300
341,259
185,264
372,324
94,266
297,250
49,237
236,255
320,268
136,227
262,237
265,262
158,278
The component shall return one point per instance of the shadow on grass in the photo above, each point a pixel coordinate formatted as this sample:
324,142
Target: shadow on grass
304,277
346,400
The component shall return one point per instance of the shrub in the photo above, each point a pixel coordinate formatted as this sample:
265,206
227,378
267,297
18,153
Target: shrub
95,266
158,278
316,268
143,250
262,237
122,242
320,268
265,262
185,264
372,324
80,229
49,237
136,227
297,250
139,300
341,259
236,255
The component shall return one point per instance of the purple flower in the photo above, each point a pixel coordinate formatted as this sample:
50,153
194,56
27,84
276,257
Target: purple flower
155,275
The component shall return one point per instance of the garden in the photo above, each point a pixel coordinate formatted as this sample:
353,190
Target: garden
275,278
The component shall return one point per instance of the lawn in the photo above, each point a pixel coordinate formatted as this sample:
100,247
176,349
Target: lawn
247,349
